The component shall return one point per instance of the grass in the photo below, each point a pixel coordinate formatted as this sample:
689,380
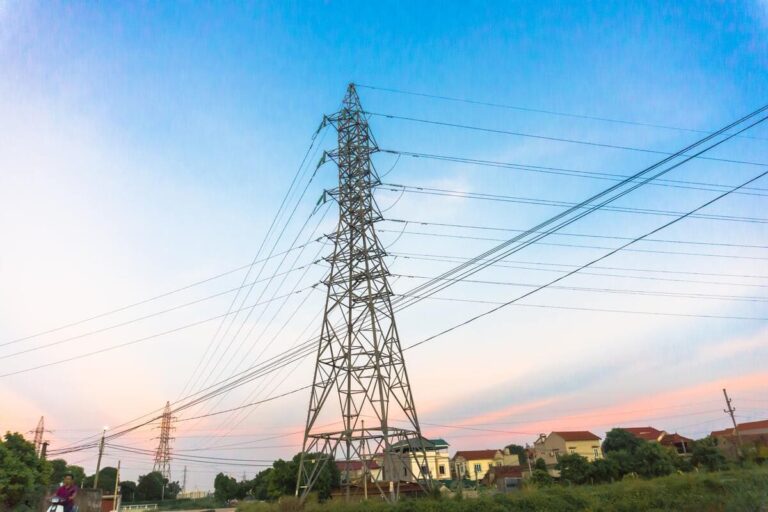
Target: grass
743,490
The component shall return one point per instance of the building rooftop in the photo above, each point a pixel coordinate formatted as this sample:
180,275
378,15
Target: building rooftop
476,454
577,435
646,433
743,427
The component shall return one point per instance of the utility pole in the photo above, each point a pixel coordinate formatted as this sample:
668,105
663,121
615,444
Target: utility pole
44,450
184,481
115,500
730,410
98,461
359,357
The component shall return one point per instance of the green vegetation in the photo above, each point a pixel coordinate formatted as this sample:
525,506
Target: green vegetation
23,475
743,490
277,481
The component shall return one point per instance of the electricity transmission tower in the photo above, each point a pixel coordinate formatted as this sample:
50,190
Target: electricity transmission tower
163,452
39,432
360,364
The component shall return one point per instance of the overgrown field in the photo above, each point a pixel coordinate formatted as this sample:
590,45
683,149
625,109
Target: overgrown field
726,491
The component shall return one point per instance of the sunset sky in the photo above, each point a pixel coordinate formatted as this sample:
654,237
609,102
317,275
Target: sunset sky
145,147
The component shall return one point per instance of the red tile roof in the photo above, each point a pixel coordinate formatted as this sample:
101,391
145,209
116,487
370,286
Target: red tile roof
646,433
743,427
675,438
476,454
579,435
753,425
507,471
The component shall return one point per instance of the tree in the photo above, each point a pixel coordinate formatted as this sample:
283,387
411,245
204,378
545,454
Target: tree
78,474
541,477
603,471
258,486
225,487
128,490
107,477
706,455
172,489
573,468
652,460
150,487
620,439
623,460
540,465
58,470
516,449
23,474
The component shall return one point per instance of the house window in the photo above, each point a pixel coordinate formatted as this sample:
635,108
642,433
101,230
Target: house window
424,470
572,449
597,453
478,468
441,469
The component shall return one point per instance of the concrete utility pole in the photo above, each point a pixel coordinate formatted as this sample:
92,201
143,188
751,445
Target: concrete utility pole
115,501
44,450
184,481
98,462
730,410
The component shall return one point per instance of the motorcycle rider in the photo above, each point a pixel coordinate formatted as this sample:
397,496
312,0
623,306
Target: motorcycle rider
68,492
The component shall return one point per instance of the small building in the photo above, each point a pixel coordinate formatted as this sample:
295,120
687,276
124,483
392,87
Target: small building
551,447
474,464
437,463
753,436
681,444
355,471
504,478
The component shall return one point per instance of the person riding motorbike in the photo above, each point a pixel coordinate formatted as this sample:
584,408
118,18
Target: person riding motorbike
68,492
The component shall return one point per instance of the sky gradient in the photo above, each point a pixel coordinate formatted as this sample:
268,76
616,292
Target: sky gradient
144,147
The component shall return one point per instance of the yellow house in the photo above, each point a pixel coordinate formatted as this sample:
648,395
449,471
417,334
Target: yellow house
551,447
436,466
474,464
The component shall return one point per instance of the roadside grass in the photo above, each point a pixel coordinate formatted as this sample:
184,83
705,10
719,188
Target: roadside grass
744,490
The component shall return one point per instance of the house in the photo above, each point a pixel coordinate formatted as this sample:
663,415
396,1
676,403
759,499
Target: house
504,478
681,444
474,464
354,470
753,436
551,447
436,466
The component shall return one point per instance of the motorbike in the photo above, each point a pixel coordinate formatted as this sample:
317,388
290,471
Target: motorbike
57,504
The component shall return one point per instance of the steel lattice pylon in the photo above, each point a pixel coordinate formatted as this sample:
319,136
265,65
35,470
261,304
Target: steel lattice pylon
163,452
359,358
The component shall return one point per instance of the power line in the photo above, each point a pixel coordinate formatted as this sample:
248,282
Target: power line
502,251
503,263
542,111
577,235
561,171
580,246
559,139
596,260
562,204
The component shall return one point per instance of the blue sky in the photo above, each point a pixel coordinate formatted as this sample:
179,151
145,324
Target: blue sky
144,146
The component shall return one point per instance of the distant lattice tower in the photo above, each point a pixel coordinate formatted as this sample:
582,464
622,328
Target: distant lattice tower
163,452
360,370
39,431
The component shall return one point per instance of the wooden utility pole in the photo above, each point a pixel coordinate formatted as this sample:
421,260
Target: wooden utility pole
730,410
98,462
